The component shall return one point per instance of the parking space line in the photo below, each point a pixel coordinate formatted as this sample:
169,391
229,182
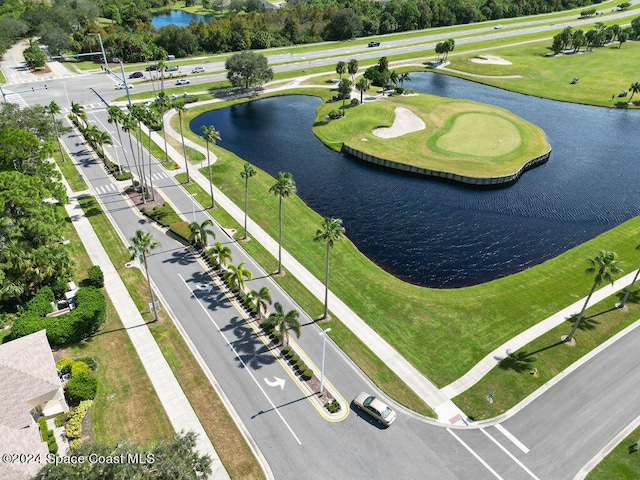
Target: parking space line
486,465
510,455
510,436
246,368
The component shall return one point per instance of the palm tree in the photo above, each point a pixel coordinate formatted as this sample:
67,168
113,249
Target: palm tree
210,134
247,173
404,77
283,188
78,111
623,303
236,275
179,106
220,254
115,115
199,233
102,138
344,87
634,88
362,85
283,321
352,68
143,245
127,124
331,232
604,265
53,109
260,298
162,104
161,67
341,69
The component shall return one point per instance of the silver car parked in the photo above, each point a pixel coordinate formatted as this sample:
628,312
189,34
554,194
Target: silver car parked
376,408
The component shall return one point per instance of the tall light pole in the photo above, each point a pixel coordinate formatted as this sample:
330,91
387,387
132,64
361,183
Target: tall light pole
193,205
104,56
324,343
64,84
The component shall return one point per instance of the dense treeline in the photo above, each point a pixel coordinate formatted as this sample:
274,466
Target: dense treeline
64,25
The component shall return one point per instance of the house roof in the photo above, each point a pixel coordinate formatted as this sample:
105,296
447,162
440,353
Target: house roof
27,371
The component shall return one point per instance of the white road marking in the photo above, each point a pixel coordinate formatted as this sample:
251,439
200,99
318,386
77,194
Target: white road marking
510,455
510,436
486,465
246,368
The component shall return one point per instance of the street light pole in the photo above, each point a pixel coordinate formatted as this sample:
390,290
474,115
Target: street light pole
104,56
193,204
324,342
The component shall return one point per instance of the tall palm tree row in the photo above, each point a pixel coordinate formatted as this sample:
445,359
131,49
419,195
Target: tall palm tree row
283,321
352,68
260,299
220,254
211,135
248,172
80,114
115,115
362,86
330,232
142,246
283,188
179,106
604,266
236,276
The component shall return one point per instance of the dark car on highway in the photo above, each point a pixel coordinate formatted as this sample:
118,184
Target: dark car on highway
373,44
136,75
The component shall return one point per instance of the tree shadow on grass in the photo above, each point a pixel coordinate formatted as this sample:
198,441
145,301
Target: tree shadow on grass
518,362
587,323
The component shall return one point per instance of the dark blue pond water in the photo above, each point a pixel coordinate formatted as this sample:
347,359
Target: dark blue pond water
443,235
177,17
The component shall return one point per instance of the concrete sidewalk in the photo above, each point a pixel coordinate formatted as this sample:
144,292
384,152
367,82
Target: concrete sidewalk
446,410
492,359
168,389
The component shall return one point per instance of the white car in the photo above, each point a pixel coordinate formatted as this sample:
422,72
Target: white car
204,287
183,81
374,407
198,70
122,86
497,27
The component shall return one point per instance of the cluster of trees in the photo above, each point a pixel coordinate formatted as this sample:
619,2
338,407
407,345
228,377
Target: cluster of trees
599,36
31,224
66,25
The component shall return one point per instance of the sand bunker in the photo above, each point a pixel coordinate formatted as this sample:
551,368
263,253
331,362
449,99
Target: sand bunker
405,122
491,59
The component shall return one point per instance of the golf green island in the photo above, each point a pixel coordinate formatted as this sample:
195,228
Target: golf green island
458,140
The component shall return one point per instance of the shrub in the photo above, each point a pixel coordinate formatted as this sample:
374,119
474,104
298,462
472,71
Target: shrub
354,102
50,436
95,277
300,365
333,114
294,357
53,446
164,215
75,443
59,287
82,386
64,365
307,374
79,367
333,407
62,418
40,304
399,90
73,429
286,351
44,430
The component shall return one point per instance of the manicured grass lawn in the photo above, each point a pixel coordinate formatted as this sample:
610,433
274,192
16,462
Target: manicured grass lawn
69,171
501,146
604,72
221,429
512,381
442,332
622,463
126,404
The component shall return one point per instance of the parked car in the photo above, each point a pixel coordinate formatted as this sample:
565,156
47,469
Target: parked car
136,75
623,93
171,57
183,81
198,70
151,68
373,44
497,27
172,68
122,86
376,408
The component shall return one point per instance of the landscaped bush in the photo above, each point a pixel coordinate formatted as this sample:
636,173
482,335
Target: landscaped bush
307,374
75,443
333,407
44,430
399,90
333,114
73,429
83,321
62,418
59,287
91,363
79,367
294,358
286,351
53,446
114,169
64,365
95,277
181,229
300,365
354,102
82,386
164,215
40,304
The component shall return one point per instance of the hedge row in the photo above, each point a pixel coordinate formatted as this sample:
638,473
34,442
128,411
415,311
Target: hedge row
83,321
73,429
47,435
305,372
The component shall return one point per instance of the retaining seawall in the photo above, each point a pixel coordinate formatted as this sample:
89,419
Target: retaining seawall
500,181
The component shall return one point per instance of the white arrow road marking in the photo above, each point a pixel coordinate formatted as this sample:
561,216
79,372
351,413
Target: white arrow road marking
278,382
246,368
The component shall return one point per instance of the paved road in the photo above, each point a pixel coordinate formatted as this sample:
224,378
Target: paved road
551,438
